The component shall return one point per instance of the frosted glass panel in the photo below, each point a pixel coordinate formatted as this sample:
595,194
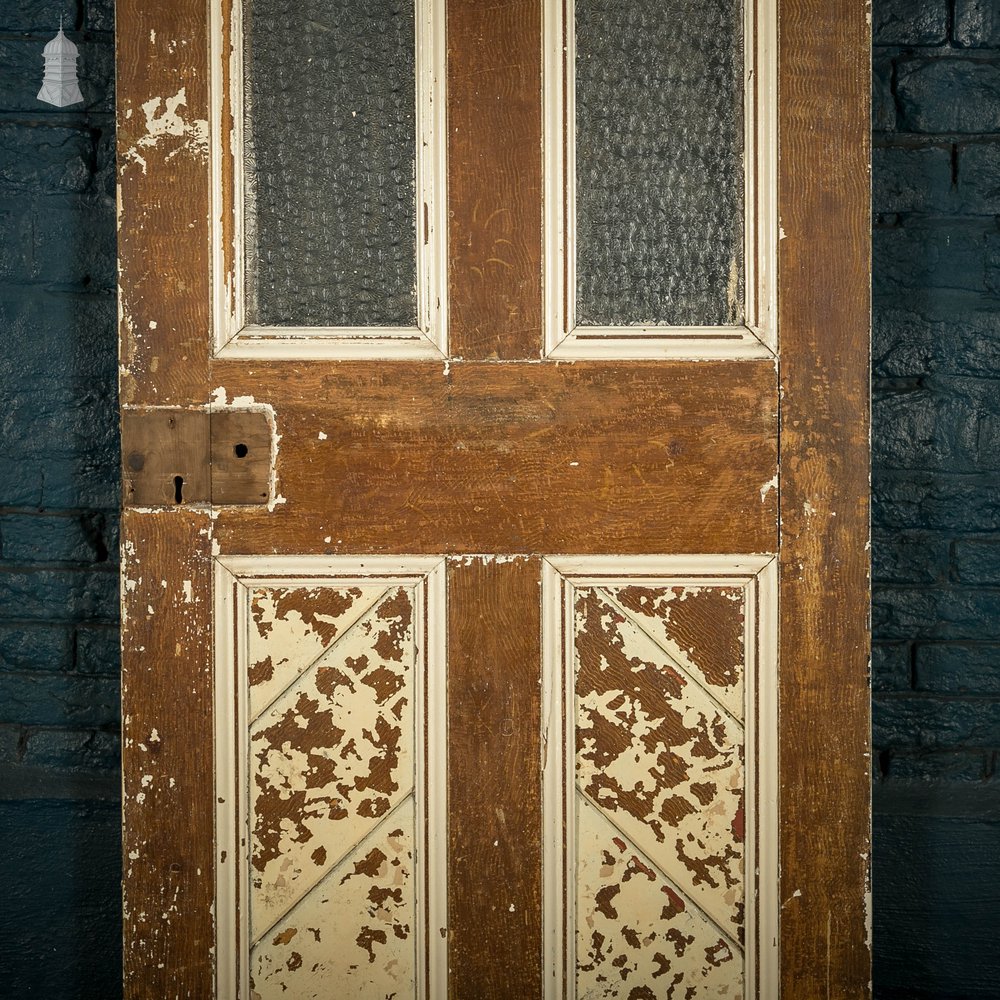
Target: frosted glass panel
659,162
329,139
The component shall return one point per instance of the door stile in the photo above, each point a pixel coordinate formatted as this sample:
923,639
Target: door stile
824,309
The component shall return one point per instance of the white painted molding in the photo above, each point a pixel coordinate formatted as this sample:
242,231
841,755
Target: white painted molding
757,575
234,577
757,338
232,336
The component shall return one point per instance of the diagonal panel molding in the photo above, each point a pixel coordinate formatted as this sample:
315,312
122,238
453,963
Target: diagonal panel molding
331,757
337,767
290,628
659,691
659,757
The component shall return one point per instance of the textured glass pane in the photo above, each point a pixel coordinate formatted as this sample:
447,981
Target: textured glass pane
330,139
659,162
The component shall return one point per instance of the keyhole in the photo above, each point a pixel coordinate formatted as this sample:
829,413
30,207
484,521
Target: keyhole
240,450
178,489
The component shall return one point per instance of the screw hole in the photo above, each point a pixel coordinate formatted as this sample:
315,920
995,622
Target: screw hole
241,450
178,489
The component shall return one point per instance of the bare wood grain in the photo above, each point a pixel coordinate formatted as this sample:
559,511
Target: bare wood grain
495,178
167,780
494,780
824,303
538,458
162,136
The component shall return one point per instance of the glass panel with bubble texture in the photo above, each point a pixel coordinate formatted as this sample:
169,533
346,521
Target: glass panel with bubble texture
330,140
659,163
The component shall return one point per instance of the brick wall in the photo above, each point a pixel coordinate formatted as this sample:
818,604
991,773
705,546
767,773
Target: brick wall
936,521
936,481
59,787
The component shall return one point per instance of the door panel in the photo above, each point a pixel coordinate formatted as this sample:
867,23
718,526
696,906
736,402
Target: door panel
660,775
330,714
525,565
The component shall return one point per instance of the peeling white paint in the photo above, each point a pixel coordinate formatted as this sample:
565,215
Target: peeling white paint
163,119
771,484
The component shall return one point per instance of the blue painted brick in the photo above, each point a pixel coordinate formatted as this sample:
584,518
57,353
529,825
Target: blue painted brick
946,423
978,188
60,926
937,893
60,595
59,699
891,666
977,560
36,538
949,333
914,612
35,647
933,254
949,95
100,15
61,241
38,15
977,23
64,748
936,766
60,445
56,337
926,721
98,650
953,668
939,501
883,101
914,178
908,557
46,158
910,22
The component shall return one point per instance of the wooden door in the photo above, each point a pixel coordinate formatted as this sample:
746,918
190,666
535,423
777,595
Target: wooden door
494,401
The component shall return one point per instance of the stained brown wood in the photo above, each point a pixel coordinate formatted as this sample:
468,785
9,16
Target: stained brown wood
240,456
495,178
167,780
163,245
824,306
174,456
159,446
585,457
494,786
483,457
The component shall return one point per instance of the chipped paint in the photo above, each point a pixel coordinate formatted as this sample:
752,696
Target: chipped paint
164,120
658,752
353,935
771,484
332,765
637,935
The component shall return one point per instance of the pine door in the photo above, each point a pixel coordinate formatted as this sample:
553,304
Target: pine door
495,480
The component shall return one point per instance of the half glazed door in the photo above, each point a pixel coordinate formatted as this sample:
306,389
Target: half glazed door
495,472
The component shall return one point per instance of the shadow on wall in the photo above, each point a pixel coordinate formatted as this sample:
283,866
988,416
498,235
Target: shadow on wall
60,923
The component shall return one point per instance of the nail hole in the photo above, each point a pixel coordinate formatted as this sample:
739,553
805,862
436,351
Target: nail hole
178,489
240,451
